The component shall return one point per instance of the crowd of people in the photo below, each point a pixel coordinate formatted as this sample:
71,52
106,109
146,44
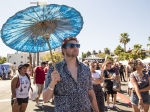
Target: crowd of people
82,86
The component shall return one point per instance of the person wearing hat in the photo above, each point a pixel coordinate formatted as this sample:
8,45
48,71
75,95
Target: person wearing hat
38,79
20,86
71,82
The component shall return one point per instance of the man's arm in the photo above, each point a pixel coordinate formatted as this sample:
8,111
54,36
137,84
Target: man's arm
53,77
93,101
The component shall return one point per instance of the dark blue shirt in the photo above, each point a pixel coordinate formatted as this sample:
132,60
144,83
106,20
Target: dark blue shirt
71,96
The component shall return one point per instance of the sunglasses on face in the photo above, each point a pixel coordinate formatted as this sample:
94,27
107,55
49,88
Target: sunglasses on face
139,64
93,66
72,45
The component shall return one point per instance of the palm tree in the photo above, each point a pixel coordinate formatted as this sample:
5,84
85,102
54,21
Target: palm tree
88,53
137,50
124,38
148,40
106,51
94,52
99,52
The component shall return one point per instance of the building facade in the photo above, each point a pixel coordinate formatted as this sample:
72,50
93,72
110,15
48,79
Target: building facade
23,57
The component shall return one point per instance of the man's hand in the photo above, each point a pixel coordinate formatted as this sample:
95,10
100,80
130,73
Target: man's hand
55,77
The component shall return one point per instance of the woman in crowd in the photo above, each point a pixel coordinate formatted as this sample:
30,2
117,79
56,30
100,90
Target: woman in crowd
20,85
141,86
97,80
109,77
121,72
29,70
129,69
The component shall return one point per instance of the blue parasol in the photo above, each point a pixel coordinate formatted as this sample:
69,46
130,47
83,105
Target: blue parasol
31,29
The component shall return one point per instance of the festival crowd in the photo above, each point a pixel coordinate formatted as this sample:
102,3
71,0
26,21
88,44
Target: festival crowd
82,86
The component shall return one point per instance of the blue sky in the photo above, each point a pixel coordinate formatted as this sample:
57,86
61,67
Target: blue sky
104,21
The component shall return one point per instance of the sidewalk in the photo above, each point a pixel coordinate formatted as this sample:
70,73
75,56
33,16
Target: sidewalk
123,101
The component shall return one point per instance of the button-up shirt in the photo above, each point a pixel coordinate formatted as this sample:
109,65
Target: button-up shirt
71,96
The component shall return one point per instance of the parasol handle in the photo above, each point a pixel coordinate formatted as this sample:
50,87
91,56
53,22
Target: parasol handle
53,62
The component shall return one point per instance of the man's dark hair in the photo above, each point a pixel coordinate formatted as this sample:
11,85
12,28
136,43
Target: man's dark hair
66,40
43,63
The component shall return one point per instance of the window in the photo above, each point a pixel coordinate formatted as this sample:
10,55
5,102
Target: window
9,56
21,56
21,62
14,63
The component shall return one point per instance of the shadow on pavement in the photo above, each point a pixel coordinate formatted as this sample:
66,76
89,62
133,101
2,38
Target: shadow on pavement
123,92
44,108
123,84
119,109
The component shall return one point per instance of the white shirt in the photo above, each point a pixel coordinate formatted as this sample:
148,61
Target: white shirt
23,90
95,75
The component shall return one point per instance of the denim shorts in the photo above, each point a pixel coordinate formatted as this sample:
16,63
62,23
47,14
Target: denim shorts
145,96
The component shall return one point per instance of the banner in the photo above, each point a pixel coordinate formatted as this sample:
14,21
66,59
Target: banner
4,69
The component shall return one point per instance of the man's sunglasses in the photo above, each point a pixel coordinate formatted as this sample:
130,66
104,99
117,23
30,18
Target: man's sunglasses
72,45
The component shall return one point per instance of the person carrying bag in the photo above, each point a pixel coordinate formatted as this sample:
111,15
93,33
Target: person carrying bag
20,86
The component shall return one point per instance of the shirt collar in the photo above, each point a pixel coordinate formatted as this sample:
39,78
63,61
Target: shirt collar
64,62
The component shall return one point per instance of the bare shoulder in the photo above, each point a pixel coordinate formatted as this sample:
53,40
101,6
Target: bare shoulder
15,78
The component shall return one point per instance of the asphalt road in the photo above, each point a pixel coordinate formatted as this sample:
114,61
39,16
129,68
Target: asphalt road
5,103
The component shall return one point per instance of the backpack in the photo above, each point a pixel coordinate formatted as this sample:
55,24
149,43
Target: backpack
18,82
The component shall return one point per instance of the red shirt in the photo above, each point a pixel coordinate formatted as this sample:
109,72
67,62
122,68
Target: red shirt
40,75
46,70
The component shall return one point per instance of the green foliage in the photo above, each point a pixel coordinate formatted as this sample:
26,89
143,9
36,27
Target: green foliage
94,52
88,53
118,50
106,51
56,55
124,38
99,52
148,40
102,55
84,55
138,52
2,60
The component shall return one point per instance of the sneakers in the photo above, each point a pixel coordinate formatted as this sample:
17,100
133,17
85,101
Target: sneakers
114,106
108,107
38,104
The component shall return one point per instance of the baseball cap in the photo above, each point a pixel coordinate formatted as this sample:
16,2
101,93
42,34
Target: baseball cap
50,63
23,65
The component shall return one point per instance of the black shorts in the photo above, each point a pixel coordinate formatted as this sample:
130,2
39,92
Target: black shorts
20,100
109,90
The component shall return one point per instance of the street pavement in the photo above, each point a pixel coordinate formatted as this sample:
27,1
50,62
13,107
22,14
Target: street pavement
123,104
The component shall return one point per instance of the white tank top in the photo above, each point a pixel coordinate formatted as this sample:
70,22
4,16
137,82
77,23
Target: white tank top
22,90
95,75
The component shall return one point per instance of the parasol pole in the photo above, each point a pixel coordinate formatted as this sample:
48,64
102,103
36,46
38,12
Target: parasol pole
47,39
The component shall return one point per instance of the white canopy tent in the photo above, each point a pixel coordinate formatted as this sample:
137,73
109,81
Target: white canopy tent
125,62
10,64
146,61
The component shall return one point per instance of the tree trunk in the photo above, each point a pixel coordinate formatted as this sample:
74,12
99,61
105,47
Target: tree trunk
37,58
124,47
30,58
34,59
